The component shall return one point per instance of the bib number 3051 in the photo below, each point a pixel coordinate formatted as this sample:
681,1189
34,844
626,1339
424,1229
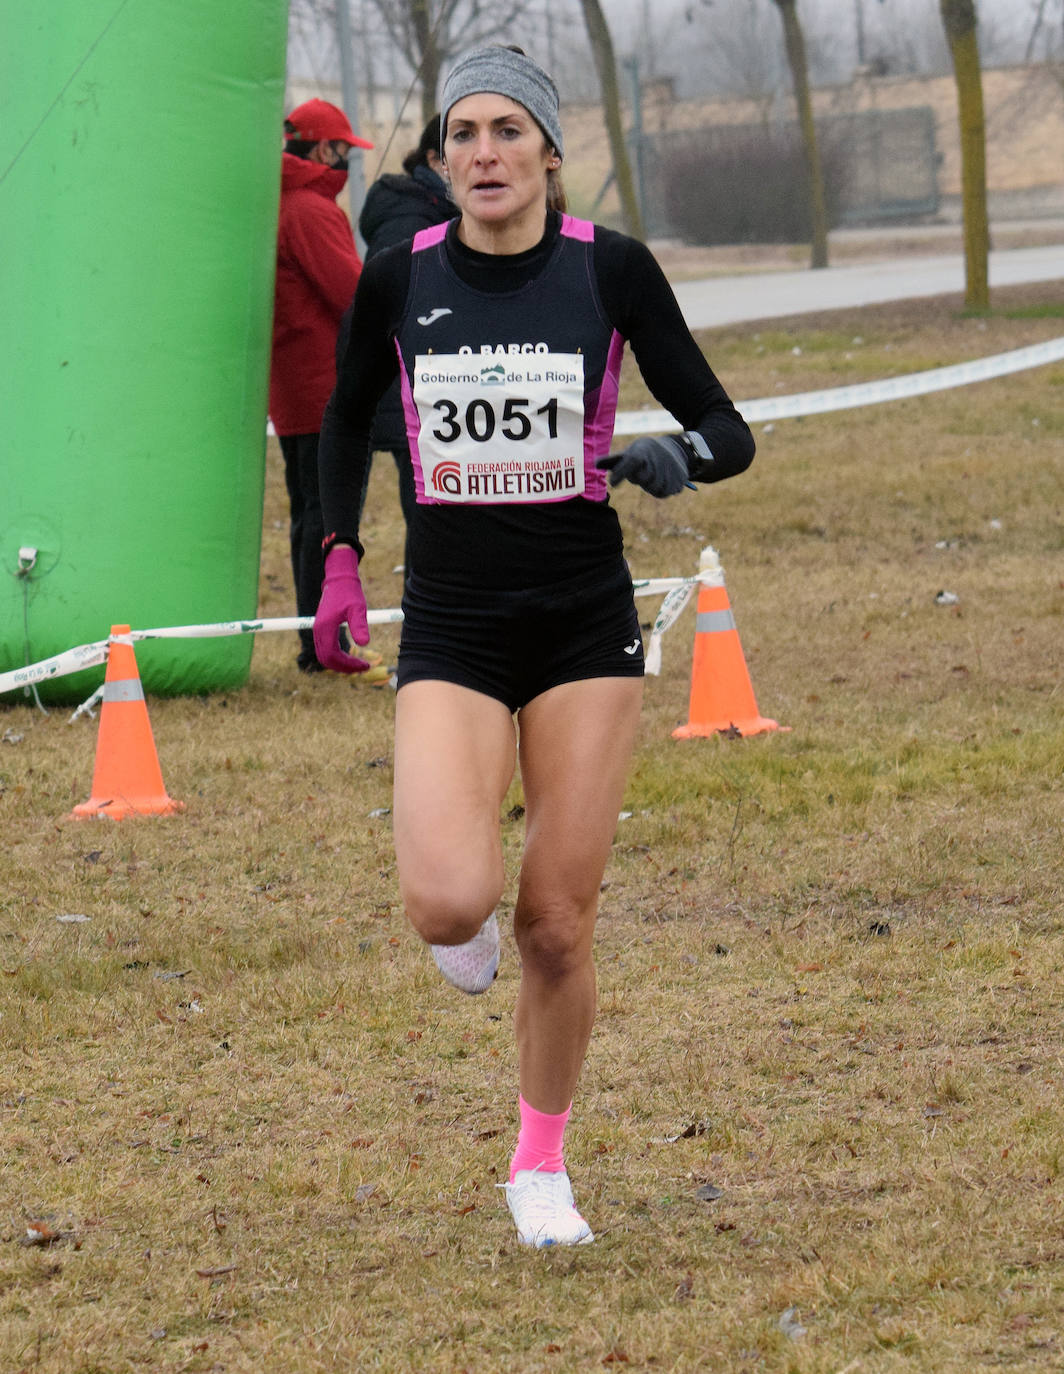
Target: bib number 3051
481,422
498,431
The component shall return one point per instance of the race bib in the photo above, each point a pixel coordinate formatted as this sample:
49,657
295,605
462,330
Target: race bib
500,428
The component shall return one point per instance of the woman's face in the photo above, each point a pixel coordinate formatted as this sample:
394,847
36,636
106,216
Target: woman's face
497,159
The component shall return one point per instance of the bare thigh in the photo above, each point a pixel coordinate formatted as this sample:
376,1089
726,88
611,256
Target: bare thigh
455,751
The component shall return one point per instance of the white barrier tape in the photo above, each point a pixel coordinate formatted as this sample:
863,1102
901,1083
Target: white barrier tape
863,393
671,608
628,423
89,706
90,655
250,627
658,586
69,661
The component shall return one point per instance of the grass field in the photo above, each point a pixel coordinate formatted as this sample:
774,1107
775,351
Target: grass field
819,1129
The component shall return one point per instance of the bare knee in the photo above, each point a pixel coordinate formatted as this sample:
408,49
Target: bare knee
554,943
449,916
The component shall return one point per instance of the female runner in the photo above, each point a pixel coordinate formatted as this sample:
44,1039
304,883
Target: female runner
520,640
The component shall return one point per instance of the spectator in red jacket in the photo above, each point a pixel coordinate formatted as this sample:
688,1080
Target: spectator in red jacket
317,271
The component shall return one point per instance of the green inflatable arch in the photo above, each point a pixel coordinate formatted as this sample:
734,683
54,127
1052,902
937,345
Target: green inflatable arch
139,182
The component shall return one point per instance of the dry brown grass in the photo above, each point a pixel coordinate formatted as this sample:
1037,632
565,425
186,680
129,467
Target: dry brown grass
831,961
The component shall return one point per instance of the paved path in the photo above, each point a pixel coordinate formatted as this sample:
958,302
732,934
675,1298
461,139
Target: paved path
771,295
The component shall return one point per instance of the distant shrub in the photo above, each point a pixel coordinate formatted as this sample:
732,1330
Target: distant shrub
743,184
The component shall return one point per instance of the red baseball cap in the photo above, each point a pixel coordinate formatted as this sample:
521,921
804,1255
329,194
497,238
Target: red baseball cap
317,119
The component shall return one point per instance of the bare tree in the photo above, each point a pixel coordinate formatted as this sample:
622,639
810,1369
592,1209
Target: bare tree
795,44
1041,34
426,33
430,32
960,22
902,37
598,33
720,46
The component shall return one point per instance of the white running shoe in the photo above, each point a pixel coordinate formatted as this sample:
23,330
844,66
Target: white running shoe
472,966
543,1210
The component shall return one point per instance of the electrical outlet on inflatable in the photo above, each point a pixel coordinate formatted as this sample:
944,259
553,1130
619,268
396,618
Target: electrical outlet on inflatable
139,183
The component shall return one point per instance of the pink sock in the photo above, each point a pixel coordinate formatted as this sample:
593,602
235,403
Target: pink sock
539,1141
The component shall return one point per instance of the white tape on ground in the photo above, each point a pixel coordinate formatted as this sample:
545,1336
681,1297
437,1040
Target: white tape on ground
863,393
90,655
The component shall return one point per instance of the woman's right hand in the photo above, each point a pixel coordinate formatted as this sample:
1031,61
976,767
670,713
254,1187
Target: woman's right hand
342,599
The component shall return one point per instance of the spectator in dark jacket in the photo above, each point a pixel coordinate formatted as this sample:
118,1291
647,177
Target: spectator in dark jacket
395,208
317,271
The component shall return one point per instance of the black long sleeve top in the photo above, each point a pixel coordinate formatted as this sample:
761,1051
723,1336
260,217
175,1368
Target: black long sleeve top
521,546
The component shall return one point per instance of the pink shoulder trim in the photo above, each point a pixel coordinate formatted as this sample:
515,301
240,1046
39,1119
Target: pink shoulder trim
581,229
428,238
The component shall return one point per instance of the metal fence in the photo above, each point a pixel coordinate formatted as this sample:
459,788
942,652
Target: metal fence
729,183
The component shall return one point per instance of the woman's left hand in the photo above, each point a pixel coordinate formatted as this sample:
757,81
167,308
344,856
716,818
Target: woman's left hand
659,466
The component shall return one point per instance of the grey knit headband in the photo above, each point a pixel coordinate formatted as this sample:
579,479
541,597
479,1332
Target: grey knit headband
504,72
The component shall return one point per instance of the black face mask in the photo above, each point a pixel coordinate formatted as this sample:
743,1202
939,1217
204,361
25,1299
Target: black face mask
340,163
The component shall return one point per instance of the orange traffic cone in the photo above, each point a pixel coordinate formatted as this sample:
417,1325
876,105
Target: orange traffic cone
722,699
127,780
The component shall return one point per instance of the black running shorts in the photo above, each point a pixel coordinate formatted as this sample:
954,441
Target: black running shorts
514,646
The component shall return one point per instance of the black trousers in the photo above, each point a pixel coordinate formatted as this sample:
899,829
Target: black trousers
305,530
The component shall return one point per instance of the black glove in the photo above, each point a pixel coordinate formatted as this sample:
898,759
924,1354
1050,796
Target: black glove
662,466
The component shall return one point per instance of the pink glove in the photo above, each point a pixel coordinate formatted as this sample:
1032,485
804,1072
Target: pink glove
342,599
